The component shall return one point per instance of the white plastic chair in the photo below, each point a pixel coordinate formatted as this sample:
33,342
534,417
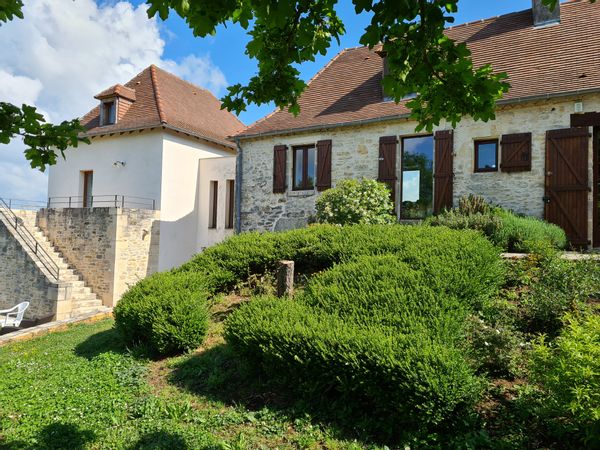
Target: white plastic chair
12,317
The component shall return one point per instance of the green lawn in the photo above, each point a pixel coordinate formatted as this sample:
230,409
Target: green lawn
82,389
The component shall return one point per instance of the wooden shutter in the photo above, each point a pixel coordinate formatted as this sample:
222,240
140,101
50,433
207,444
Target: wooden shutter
279,166
567,185
387,163
323,165
443,172
516,152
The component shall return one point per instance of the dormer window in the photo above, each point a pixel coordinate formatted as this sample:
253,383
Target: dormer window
108,114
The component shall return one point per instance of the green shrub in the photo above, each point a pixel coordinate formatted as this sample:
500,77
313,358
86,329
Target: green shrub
523,234
167,312
504,228
468,262
398,382
569,372
355,201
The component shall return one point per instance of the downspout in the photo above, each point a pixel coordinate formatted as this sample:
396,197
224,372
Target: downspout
238,187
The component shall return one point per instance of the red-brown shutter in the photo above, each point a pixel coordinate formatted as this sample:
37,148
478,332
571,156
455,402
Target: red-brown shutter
387,163
516,152
323,165
279,165
444,175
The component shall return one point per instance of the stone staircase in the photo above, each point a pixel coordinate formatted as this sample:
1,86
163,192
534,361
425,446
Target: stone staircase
75,298
83,300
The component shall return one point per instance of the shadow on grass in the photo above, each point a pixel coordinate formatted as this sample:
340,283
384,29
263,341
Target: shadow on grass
160,440
102,342
219,374
54,437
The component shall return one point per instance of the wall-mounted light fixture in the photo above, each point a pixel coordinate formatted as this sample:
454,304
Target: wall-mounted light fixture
119,164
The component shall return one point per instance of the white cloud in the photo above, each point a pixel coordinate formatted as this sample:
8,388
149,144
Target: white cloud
64,52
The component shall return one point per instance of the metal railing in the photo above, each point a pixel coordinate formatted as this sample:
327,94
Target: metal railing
98,201
26,205
10,219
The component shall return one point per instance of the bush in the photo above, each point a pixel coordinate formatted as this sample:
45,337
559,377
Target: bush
167,312
392,382
569,372
504,228
383,335
353,201
466,262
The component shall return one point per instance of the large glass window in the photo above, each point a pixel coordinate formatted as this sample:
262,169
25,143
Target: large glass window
304,167
417,177
486,156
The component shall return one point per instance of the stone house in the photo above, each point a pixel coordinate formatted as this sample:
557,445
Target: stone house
155,186
538,157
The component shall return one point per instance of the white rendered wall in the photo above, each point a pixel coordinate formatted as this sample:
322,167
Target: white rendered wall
140,176
220,170
180,213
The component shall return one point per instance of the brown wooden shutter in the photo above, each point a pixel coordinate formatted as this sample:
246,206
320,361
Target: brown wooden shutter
323,165
387,163
444,175
279,166
516,152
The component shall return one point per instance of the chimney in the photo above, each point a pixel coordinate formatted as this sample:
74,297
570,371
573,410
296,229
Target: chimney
542,15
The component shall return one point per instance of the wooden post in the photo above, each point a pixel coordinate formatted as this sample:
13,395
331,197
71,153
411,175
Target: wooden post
285,279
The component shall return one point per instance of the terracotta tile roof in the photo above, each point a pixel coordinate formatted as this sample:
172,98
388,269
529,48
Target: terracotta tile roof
543,61
162,99
117,89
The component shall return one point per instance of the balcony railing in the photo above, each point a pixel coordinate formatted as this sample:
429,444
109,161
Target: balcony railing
99,201
28,205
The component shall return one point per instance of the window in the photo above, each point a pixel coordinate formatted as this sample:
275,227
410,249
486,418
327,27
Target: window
486,156
213,201
230,194
108,113
304,168
417,177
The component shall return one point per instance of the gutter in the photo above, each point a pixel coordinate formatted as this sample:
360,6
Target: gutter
512,101
238,187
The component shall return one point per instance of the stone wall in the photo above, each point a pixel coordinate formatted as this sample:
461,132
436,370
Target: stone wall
21,279
355,153
111,248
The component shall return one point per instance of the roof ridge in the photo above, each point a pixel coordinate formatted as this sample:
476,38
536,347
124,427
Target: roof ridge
157,94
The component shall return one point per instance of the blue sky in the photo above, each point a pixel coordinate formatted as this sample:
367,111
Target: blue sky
226,48
65,51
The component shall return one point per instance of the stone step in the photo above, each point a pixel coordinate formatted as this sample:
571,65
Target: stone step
81,311
82,290
87,304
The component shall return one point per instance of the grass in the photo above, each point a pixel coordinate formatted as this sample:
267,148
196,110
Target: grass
81,388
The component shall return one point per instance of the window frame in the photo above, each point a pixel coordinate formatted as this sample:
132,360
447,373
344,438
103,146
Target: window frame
230,197
477,143
401,177
213,204
304,184
104,106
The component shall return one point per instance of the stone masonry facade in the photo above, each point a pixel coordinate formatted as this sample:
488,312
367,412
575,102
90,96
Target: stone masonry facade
355,153
22,280
111,248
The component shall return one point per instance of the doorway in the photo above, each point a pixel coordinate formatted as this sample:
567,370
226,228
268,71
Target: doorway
88,182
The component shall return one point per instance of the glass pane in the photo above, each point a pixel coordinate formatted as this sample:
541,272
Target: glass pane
486,156
417,177
298,164
310,175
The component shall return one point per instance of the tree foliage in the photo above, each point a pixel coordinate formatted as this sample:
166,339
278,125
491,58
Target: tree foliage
41,139
286,33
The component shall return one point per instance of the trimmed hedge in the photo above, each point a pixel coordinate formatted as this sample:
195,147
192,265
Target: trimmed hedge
398,381
383,332
166,312
437,251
